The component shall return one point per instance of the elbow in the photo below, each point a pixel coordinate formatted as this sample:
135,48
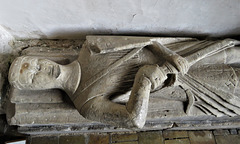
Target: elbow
138,122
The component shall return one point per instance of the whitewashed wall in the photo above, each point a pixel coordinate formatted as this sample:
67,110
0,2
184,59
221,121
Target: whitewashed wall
74,18
5,38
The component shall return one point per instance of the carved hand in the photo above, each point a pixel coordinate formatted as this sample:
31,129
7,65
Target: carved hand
180,63
153,73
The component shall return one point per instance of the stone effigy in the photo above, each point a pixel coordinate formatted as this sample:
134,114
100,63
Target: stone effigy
114,77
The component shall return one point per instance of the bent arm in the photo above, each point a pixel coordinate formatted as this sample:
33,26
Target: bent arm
130,116
134,113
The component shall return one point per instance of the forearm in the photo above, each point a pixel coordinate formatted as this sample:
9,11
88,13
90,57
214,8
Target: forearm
172,58
164,51
103,110
134,113
137,105
131,115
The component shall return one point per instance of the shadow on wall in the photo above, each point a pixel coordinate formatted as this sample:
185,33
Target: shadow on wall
78,33
81,34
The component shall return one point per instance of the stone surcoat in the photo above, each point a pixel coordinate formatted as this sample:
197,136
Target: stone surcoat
117,81
97,80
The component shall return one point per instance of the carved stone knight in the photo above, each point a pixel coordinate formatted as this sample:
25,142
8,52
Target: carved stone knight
109,67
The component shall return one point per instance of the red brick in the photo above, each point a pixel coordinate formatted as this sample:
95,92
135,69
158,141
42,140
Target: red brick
150,137
228,139
174,134
79,139
98,139
124,137
201,137
178,141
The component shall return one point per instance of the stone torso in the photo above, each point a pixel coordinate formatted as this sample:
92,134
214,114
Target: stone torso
117,81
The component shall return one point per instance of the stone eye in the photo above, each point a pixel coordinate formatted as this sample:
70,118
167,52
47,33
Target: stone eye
25,65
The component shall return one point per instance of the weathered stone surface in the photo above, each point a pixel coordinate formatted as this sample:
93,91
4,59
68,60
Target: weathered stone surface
98,139
150,138
78,139
201,137
225,139
47,43
163,108
124,137
171,93
191,92
62,113
60,55
44,108
37,114
174,134
46,96
177,141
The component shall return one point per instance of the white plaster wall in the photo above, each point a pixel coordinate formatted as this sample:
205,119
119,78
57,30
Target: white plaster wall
5,39
75,18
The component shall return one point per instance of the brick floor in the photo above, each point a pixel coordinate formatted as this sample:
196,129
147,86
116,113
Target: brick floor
44,140
221,132
155,137
201,137
124,137
233,131
98,139
228,139
129,142
231,136
178,141
174,134
78,139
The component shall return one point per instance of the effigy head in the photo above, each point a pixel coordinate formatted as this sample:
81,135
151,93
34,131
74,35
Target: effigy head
34,73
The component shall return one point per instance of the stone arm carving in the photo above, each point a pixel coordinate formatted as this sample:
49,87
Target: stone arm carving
149,77
92,99
134,113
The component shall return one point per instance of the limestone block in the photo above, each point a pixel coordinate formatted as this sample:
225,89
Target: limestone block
180,101
46,96
40,114
104,44
162,108
65,113
59,55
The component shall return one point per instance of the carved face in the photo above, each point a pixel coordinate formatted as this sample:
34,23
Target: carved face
34,73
